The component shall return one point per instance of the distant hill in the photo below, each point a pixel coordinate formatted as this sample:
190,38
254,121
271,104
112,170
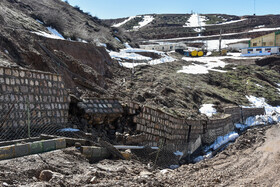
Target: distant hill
166,26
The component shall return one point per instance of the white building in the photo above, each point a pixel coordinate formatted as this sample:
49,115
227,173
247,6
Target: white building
260,51
237,46
165,47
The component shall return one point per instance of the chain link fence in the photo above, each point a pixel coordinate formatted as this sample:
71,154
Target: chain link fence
20,118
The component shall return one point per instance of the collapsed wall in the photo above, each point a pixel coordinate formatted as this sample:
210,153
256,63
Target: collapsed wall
184,134
31,102
160,128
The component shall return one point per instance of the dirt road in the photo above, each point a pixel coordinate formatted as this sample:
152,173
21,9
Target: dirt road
253,160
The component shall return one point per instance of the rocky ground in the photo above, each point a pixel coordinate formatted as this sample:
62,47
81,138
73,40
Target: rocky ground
182,94
253,160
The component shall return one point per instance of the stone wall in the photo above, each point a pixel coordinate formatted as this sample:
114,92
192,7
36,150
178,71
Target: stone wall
235,113
218,127
159,126
248,112
39,95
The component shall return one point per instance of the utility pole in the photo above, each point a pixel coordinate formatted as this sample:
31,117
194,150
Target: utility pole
254,7
220,42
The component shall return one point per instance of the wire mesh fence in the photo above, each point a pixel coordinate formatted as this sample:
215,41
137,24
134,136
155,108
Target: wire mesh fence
20,118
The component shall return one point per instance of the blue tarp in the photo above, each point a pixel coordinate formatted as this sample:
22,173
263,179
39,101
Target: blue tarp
68,130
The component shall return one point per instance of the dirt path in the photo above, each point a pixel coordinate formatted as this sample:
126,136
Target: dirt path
253,160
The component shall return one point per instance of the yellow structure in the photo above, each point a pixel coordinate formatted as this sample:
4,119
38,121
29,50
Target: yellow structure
194,53
272,39
200,53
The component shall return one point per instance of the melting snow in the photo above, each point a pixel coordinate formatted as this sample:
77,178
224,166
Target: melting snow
55,32
208,110
178,153
195,21
272,116
128,55
264,29
47,35
39,21
131,54
146,21
222,140
124,22
209,63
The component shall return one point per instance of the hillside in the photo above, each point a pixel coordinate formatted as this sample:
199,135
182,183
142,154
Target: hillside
159,118
52,36
166,26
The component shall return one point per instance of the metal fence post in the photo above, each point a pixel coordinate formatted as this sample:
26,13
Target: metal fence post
28,119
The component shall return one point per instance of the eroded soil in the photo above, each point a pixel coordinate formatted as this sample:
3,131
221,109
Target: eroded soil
253,160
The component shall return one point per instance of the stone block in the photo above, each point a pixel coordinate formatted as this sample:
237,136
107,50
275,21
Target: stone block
22,150
48,145
36,147
7,152
60,143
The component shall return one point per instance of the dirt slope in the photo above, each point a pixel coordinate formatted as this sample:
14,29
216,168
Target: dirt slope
254,160
69,21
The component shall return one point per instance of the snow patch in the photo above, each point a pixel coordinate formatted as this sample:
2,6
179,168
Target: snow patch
195,21
124,22
47,35
222,140
131,54
55,32
127,45
264,29
258,85
208,110
178,153
209,63
39,21
146,21
260,102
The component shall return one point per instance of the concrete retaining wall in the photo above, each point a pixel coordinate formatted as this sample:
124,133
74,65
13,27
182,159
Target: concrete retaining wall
19,150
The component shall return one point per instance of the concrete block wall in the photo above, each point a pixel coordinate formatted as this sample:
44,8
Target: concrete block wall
159,126
248,112
217,127
236,113
43,94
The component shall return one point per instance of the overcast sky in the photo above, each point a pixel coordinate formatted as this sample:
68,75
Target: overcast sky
106,9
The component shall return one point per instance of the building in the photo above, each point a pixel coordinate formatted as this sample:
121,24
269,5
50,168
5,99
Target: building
237,46
272,39
165,47
264,45
260,51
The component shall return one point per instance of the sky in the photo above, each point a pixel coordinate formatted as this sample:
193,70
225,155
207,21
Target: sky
107,9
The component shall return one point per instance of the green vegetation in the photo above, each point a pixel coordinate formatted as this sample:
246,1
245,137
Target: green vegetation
246,80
